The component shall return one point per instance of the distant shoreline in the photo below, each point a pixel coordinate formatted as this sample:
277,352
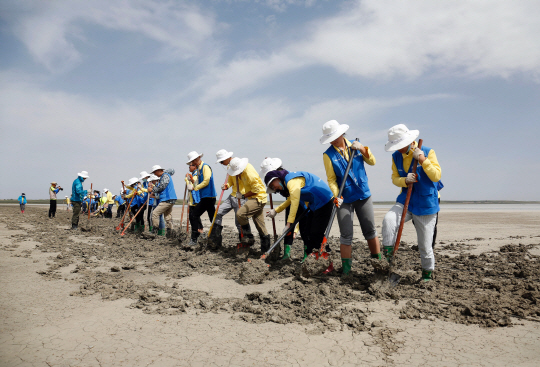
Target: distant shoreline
179,202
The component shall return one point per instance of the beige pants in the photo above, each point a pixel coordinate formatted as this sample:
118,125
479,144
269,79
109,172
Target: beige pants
166,210
252,208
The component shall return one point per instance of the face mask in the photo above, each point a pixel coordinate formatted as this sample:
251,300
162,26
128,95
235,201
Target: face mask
145,180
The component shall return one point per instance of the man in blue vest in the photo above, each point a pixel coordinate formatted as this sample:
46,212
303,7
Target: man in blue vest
206,189
164,191
77,196
424,203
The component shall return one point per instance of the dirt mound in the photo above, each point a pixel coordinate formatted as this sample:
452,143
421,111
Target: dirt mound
253,272
312,266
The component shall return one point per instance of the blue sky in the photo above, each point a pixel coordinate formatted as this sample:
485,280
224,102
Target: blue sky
114,87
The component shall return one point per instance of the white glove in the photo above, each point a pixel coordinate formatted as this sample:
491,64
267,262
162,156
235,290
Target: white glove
190,186
239,196
356,145
224,187
417,153
338,201
271,214
411,178
286,228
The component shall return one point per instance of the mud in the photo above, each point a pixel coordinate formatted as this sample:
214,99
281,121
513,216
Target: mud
492,289
253,272
312,266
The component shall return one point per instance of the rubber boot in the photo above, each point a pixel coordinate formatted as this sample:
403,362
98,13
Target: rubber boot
74,227
162,232
150,229
286,252
377,256
265,243
135,228
305,254
217,239
427,275
388,251
346,265
248,238
141,228
168,233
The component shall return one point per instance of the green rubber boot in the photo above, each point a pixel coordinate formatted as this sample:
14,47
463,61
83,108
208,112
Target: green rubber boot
161,232
136,228
286,252
376,256
427,275
141,228
388,251
346,265
150,228
305,254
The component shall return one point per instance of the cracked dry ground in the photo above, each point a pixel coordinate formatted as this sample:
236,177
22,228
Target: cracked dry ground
96,298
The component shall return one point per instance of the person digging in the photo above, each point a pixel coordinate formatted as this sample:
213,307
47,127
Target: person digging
356,196
22,202
53,190
303,187
194,198
230,203
423,206
77,196
167,197
255,194
206,189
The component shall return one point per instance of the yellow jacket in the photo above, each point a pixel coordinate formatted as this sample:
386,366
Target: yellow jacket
251,181
207,173
109,198
294,186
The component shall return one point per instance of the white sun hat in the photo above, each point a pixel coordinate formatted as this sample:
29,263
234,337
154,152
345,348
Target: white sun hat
269,164
105,190
269,189
399,136
132,181
153,177
155,168
192,156
237,166
222,154
332,130
83,174
143,174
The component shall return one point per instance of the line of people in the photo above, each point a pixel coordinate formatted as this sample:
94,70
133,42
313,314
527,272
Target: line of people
309,200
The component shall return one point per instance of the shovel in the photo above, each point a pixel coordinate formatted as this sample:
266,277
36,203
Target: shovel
277,253
121,224
182,216
135,216
239,246
291,228
394,278
217,208
322,251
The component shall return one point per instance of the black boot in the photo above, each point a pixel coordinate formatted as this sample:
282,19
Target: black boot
265,243
248,238
215,240
74,227
169,233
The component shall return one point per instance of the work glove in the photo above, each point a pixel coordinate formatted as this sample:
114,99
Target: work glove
338,201
411,178
190,187
239,196
356,145
271,214
417,153
286,228
224,187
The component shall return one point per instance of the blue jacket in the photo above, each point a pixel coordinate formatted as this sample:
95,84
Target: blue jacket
316,192
425,193
210,190
77,192
151,200
22,199
119,200
356,187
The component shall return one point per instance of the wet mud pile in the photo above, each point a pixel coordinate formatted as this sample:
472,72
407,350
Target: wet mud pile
492,289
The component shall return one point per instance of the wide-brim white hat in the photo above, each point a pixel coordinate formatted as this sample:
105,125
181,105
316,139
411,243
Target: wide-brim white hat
105,190
270,190
143,174
237,166
222,154
192,156
399,136
83,174
132,181
332,130
155,168
269,164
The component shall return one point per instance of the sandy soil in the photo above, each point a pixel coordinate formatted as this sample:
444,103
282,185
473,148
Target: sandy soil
98,299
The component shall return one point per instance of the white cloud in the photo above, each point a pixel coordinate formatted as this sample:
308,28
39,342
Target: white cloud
49,29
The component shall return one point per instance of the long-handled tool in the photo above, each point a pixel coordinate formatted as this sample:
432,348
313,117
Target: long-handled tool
90,203
187,221
217,208
394,278
182,216
277,253
121,224
291,228
135,216
239,206
322,251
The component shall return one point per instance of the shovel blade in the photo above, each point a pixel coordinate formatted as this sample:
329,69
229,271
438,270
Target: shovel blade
394,279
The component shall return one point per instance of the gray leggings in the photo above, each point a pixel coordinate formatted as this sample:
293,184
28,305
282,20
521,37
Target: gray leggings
365,215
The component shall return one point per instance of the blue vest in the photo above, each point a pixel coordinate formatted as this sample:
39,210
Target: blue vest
316,192
119,200
195,195
168,193
209,191
356,187
425,194
135,200
150,201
